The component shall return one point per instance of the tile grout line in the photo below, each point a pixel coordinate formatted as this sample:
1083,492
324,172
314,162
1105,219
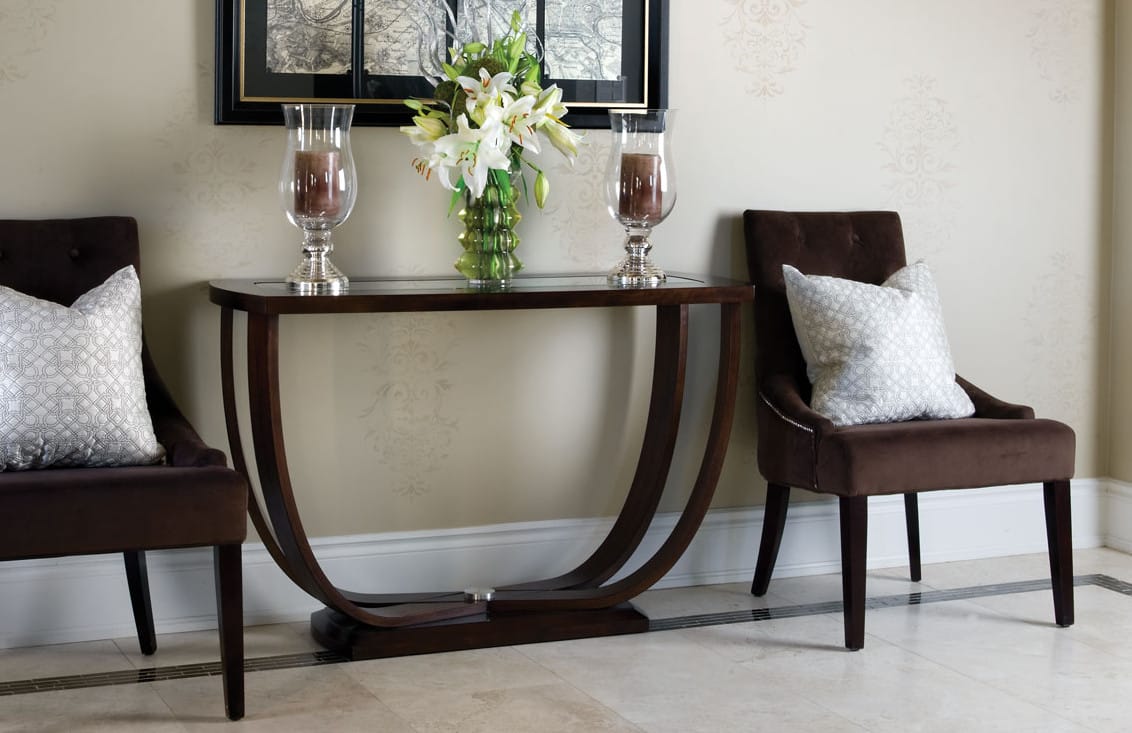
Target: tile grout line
319,658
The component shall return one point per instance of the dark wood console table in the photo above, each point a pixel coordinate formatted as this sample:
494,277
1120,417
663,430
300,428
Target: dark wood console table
582,602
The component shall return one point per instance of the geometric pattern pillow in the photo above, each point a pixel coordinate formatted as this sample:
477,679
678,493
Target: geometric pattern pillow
875,353
71,385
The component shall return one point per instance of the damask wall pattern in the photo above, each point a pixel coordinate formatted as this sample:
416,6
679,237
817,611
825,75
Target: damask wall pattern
1052,324
408,423
919,144
586,233
27,24
766,38
230,175
1058,29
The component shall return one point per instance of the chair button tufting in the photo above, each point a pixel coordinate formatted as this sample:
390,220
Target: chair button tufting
74,254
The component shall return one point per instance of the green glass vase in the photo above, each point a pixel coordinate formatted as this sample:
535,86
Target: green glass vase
489,237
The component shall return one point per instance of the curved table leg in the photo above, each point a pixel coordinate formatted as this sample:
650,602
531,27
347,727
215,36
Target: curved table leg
694,510
282,522
235,444
669,365
255,509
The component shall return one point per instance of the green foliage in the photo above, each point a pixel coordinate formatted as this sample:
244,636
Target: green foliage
501,86
445,92
508,53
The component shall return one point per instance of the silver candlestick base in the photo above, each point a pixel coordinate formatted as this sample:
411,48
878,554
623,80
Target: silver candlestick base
636,270
316,274
478,595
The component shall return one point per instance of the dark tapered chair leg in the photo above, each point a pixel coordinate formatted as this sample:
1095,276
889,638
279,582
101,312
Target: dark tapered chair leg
1059,535
137,577
230,615
774,521
912,521
854,534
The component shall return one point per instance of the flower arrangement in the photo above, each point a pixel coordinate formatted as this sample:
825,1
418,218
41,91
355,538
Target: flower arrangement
476,131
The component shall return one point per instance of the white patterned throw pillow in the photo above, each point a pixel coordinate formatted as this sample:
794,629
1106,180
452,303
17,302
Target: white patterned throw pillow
875,353
71,385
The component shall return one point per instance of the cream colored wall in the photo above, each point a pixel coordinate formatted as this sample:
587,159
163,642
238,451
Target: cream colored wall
982,122
1120,433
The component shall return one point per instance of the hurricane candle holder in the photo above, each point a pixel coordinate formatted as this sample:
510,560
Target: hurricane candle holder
317,188
640,188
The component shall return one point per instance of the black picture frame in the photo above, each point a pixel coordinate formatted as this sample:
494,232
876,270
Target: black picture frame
248,93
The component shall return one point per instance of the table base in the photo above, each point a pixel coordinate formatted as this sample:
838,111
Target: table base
356,641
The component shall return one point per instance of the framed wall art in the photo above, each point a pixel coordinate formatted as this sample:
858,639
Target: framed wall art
604,54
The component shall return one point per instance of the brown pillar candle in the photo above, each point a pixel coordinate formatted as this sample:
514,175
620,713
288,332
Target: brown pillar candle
640,187
316,185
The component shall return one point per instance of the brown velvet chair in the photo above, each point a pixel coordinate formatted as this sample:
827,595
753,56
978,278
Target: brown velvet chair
797,447
192,500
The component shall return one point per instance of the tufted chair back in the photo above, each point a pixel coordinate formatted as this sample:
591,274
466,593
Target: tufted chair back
60,259
862,245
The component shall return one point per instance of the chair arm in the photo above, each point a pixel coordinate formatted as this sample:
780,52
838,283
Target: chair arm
989,406
790,433
781,394
183,447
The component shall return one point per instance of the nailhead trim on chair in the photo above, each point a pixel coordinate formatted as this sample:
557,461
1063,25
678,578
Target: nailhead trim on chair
800,426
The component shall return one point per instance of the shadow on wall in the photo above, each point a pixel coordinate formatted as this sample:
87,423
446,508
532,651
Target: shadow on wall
182,329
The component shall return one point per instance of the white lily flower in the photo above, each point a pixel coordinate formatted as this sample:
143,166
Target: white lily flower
485,90
469,153
518,120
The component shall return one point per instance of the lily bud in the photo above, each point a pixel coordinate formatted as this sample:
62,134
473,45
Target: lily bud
433,128
542,189
563,139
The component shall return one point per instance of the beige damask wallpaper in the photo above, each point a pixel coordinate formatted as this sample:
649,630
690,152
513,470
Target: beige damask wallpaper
987,124
1120,389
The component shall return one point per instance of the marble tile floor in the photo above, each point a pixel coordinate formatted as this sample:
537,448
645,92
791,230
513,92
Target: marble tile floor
971,648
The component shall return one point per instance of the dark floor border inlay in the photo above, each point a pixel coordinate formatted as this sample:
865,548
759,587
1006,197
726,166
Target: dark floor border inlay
901,599
156,674
315,659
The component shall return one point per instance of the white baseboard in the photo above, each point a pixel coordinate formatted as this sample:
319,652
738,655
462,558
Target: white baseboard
84,598
1118,515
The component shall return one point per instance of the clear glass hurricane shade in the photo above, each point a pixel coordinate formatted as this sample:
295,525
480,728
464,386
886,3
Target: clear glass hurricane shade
640,188
317,188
